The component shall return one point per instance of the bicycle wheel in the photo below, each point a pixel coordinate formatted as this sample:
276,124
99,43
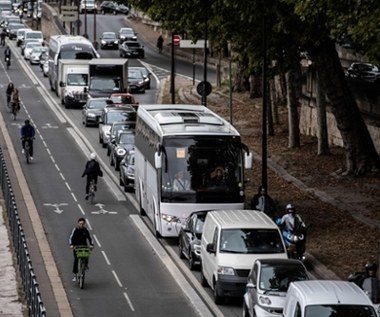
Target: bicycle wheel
82,273
91,198
27,152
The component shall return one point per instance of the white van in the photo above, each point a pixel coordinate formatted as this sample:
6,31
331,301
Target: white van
231,241
327,298
34,35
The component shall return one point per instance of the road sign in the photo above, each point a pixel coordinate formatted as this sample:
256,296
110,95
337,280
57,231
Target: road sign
191,44
204,87
69,13
176,39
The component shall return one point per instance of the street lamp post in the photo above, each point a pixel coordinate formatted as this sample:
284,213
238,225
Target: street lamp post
85,17
95,41
264,176
204,93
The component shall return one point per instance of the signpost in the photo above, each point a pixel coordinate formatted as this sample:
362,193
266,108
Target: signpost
69,13
193,45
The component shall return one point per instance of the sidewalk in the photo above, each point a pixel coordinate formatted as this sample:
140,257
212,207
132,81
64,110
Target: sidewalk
10,305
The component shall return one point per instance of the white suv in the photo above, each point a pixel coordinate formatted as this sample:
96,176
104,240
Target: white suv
88,6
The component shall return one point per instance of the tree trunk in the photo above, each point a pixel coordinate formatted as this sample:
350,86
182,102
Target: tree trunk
293,118
270,113
323,142
274,102
361,155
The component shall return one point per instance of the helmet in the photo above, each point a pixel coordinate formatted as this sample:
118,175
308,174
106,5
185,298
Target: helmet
290,208
27,122
371,266
92,156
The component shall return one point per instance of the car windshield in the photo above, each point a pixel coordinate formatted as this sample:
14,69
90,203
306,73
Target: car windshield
126,32
38,49
339,311
251,241
278,277
77,79
97,104
133,45
127,138
34,35
109,36
198,228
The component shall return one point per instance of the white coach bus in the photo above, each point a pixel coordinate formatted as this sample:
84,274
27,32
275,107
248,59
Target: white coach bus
187,158
67,47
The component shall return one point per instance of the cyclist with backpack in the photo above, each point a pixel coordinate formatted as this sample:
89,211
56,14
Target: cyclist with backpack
92,170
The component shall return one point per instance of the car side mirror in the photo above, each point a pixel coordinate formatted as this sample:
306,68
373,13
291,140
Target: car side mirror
210,248
62,84
250,285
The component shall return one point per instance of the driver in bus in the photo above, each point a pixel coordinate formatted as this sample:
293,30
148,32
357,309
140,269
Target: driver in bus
180,183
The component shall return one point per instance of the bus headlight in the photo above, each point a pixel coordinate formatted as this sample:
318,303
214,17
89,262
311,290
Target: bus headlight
169,218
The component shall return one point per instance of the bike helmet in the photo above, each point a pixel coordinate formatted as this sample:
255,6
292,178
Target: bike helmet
92,156
371,266
290,208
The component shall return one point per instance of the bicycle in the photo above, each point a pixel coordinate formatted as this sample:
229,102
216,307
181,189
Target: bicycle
14,108
83,254
91,191
8,62
27,150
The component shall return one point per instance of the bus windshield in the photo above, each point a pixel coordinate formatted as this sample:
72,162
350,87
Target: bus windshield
76,51
202,169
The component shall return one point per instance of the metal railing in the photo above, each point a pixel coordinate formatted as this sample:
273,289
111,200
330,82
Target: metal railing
29,280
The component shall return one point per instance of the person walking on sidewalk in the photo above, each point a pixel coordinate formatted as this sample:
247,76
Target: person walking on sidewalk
160,43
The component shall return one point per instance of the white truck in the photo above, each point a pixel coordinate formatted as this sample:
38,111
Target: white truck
73,82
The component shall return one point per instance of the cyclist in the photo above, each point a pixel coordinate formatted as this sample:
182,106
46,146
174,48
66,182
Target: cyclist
15,102
79,237
92,170
9,91
28,132
3,34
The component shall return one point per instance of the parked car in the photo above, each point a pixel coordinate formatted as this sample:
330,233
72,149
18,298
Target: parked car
124,141
115,128
113,7
136,81
92,110
127,34
35,55
146,74
29,47
131,49
363,71
109,40
111,115
189,244
267,284
127,171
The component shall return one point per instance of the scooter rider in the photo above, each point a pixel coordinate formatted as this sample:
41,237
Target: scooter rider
371,284
289,222
7,54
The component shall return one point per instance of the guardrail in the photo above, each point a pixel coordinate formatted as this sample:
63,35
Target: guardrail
29,279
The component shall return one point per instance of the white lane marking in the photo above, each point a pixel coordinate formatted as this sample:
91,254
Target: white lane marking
80,208
74,197
117,278
96,240
68,186
168,263
106,258
88,224
129,301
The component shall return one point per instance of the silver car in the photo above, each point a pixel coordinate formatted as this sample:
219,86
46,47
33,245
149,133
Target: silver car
268,283
35,55
29,47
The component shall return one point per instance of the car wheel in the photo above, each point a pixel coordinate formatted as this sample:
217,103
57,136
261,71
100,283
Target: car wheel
100,139
217,298
191,260
203,279
246,311
117,165
108,151
180,249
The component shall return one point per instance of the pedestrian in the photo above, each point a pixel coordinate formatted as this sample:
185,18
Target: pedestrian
160,43
263,202
80,236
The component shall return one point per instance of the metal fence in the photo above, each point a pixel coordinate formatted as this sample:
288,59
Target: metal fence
29,280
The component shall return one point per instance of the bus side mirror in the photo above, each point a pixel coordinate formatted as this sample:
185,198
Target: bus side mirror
157,160
62,84
247,160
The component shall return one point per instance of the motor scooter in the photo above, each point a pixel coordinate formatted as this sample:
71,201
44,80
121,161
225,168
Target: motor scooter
7,61
295,241
370,285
